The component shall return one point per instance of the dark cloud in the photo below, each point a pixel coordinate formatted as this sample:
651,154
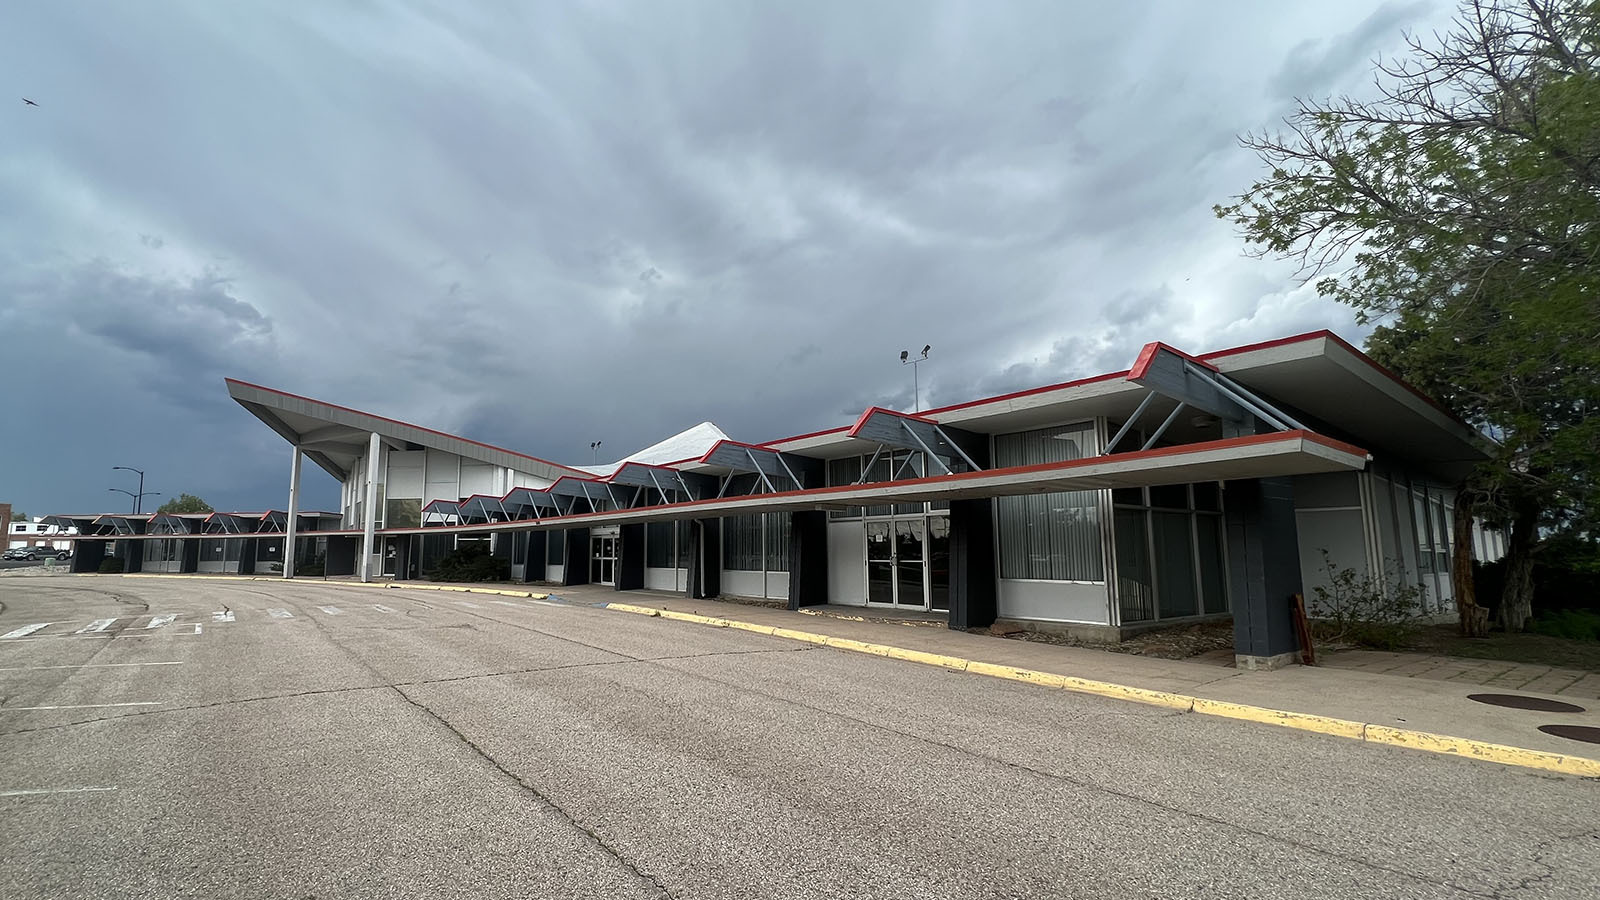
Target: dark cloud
547,225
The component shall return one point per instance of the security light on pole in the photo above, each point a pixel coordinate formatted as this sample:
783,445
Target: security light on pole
916,382
594,451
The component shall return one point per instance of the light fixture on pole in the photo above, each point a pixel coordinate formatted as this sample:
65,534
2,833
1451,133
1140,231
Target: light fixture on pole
906,359
138,498
594,451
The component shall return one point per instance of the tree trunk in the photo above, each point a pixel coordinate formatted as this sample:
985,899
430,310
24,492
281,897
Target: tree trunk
1474,618
1516,606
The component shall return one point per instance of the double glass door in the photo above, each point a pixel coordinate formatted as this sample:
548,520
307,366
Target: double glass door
908,562
603,559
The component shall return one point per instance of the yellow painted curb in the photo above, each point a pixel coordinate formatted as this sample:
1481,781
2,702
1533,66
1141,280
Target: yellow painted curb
1498,753
1328,725
1303,721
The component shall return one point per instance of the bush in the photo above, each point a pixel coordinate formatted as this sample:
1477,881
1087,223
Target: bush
471,563
111,565
1356,608
1573,624
1566,575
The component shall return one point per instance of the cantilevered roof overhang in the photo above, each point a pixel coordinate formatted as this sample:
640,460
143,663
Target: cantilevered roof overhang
334,437
1257,456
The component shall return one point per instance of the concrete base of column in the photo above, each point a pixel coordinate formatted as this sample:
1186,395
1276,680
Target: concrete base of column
1265,663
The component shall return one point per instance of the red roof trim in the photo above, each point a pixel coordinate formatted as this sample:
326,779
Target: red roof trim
822,492
1148,356
861,421
397,422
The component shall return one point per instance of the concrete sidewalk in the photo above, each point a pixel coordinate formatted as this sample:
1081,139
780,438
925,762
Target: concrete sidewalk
1438,707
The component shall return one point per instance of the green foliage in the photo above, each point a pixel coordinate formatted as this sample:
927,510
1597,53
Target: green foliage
185,503
111,565
1356,608
1460,210
18,515
1574,624
471,562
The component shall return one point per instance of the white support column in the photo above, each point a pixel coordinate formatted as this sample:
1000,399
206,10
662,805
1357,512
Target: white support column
294,515
369,525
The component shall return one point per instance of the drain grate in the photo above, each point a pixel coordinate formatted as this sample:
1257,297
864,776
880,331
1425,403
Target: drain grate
1586,733
1517,701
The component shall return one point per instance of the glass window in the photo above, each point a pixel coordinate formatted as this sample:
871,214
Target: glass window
403,512
1128,496
1170,496
741,543
1175,569
682,530
1135,589
1048,536
658,545
556,547
1207,496
777,539
1213,584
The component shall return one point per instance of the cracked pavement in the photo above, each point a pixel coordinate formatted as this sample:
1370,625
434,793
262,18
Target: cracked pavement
411,743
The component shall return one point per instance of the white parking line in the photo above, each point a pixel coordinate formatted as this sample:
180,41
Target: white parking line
159,621
546,603
280,614
197,628
381,608
91,666
25,630
81,706
225,615
96,626
468,604
82,790
506,602
332,610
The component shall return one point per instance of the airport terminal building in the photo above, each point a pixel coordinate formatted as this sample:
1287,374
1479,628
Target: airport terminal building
1186,487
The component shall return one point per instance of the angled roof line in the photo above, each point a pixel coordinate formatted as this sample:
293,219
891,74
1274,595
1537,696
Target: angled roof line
434,431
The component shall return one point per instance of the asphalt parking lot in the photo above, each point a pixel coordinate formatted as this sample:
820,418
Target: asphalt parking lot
172,738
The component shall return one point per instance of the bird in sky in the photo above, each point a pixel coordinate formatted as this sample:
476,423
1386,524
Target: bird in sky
29,102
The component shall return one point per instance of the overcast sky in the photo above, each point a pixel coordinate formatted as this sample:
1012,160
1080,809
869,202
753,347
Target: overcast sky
547,224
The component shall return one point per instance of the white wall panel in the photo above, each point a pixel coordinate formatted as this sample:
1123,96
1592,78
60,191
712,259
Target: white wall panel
742,584
441,474
1055,601
477,478
847,560
664,579
405,473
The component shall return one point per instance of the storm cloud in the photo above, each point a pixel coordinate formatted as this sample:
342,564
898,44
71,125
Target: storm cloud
544,225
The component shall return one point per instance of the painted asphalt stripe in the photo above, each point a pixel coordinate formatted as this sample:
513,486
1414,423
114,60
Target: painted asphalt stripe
331,610
280,614
1345,728
97,625
25,630
90,666
82,706
381,608
469,604
82,790
225,615
159,621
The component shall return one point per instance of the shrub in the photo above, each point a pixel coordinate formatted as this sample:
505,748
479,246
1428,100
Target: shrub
111,565
1574,624
1356,608
471,563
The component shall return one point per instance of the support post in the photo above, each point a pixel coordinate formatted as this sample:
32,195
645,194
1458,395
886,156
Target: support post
369,519
294,514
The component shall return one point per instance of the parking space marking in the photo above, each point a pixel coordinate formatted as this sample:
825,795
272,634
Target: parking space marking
332,610
90,666
506,602
25,630
280,614
381,608
197,628
158,621
33,793
97,625
469,604
81,706
225,615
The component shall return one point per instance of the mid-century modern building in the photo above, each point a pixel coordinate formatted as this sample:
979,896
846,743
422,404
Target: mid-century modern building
1183,488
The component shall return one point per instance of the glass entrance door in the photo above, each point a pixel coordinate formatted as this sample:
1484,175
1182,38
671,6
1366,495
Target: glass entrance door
897,563
603,560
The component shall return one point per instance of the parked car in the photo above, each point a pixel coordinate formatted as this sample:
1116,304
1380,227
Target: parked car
36,553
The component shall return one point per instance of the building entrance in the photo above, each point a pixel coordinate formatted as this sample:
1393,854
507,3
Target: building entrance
908,562
603,553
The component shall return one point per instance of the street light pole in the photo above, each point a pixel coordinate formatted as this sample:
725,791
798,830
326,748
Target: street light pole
138,499
916,382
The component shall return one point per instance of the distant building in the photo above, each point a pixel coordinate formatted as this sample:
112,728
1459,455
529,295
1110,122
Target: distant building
38,533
